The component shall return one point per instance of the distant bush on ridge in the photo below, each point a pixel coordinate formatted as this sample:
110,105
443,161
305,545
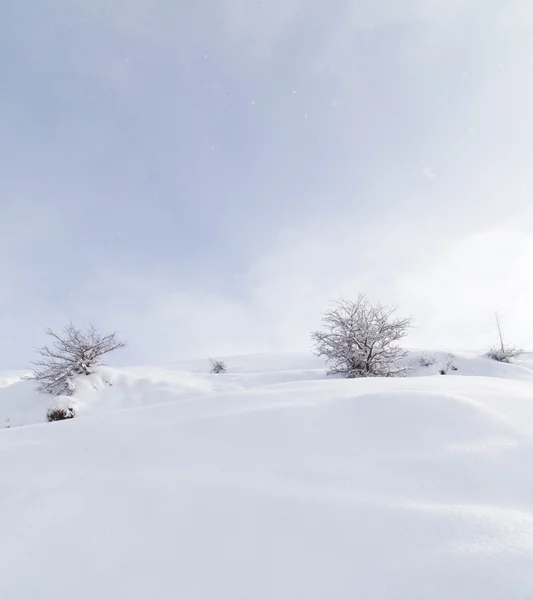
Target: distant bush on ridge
218,367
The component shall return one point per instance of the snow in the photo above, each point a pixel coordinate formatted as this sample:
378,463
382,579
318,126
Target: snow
272,482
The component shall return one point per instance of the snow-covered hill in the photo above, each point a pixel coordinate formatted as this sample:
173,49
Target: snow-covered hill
118,389
272,482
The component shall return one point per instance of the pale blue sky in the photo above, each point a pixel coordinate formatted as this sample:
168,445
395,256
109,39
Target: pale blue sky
205,179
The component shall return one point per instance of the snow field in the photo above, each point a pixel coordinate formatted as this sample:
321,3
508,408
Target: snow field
272,482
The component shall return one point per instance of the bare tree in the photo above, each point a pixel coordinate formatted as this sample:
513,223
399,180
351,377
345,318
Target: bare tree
359,339
73,352
218,366
504,352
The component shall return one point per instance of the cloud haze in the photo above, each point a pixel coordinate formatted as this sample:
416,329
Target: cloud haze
205,178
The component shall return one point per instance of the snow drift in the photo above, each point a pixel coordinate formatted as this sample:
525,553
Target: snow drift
271,482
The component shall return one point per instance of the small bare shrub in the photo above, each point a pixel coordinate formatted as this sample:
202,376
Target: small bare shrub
427,360
57,413
504,352
218,367
449,364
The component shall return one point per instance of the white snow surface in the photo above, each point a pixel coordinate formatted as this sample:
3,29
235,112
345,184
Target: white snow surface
271,482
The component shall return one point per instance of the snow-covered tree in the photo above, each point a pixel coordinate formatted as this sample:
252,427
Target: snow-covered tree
72,352
360,339
218,366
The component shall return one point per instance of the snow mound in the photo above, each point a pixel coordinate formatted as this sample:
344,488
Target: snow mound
275,483
110,389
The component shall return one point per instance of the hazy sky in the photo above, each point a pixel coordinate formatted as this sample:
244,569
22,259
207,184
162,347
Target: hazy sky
205,176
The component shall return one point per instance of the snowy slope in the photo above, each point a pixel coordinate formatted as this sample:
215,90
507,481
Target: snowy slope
272,482
117,389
